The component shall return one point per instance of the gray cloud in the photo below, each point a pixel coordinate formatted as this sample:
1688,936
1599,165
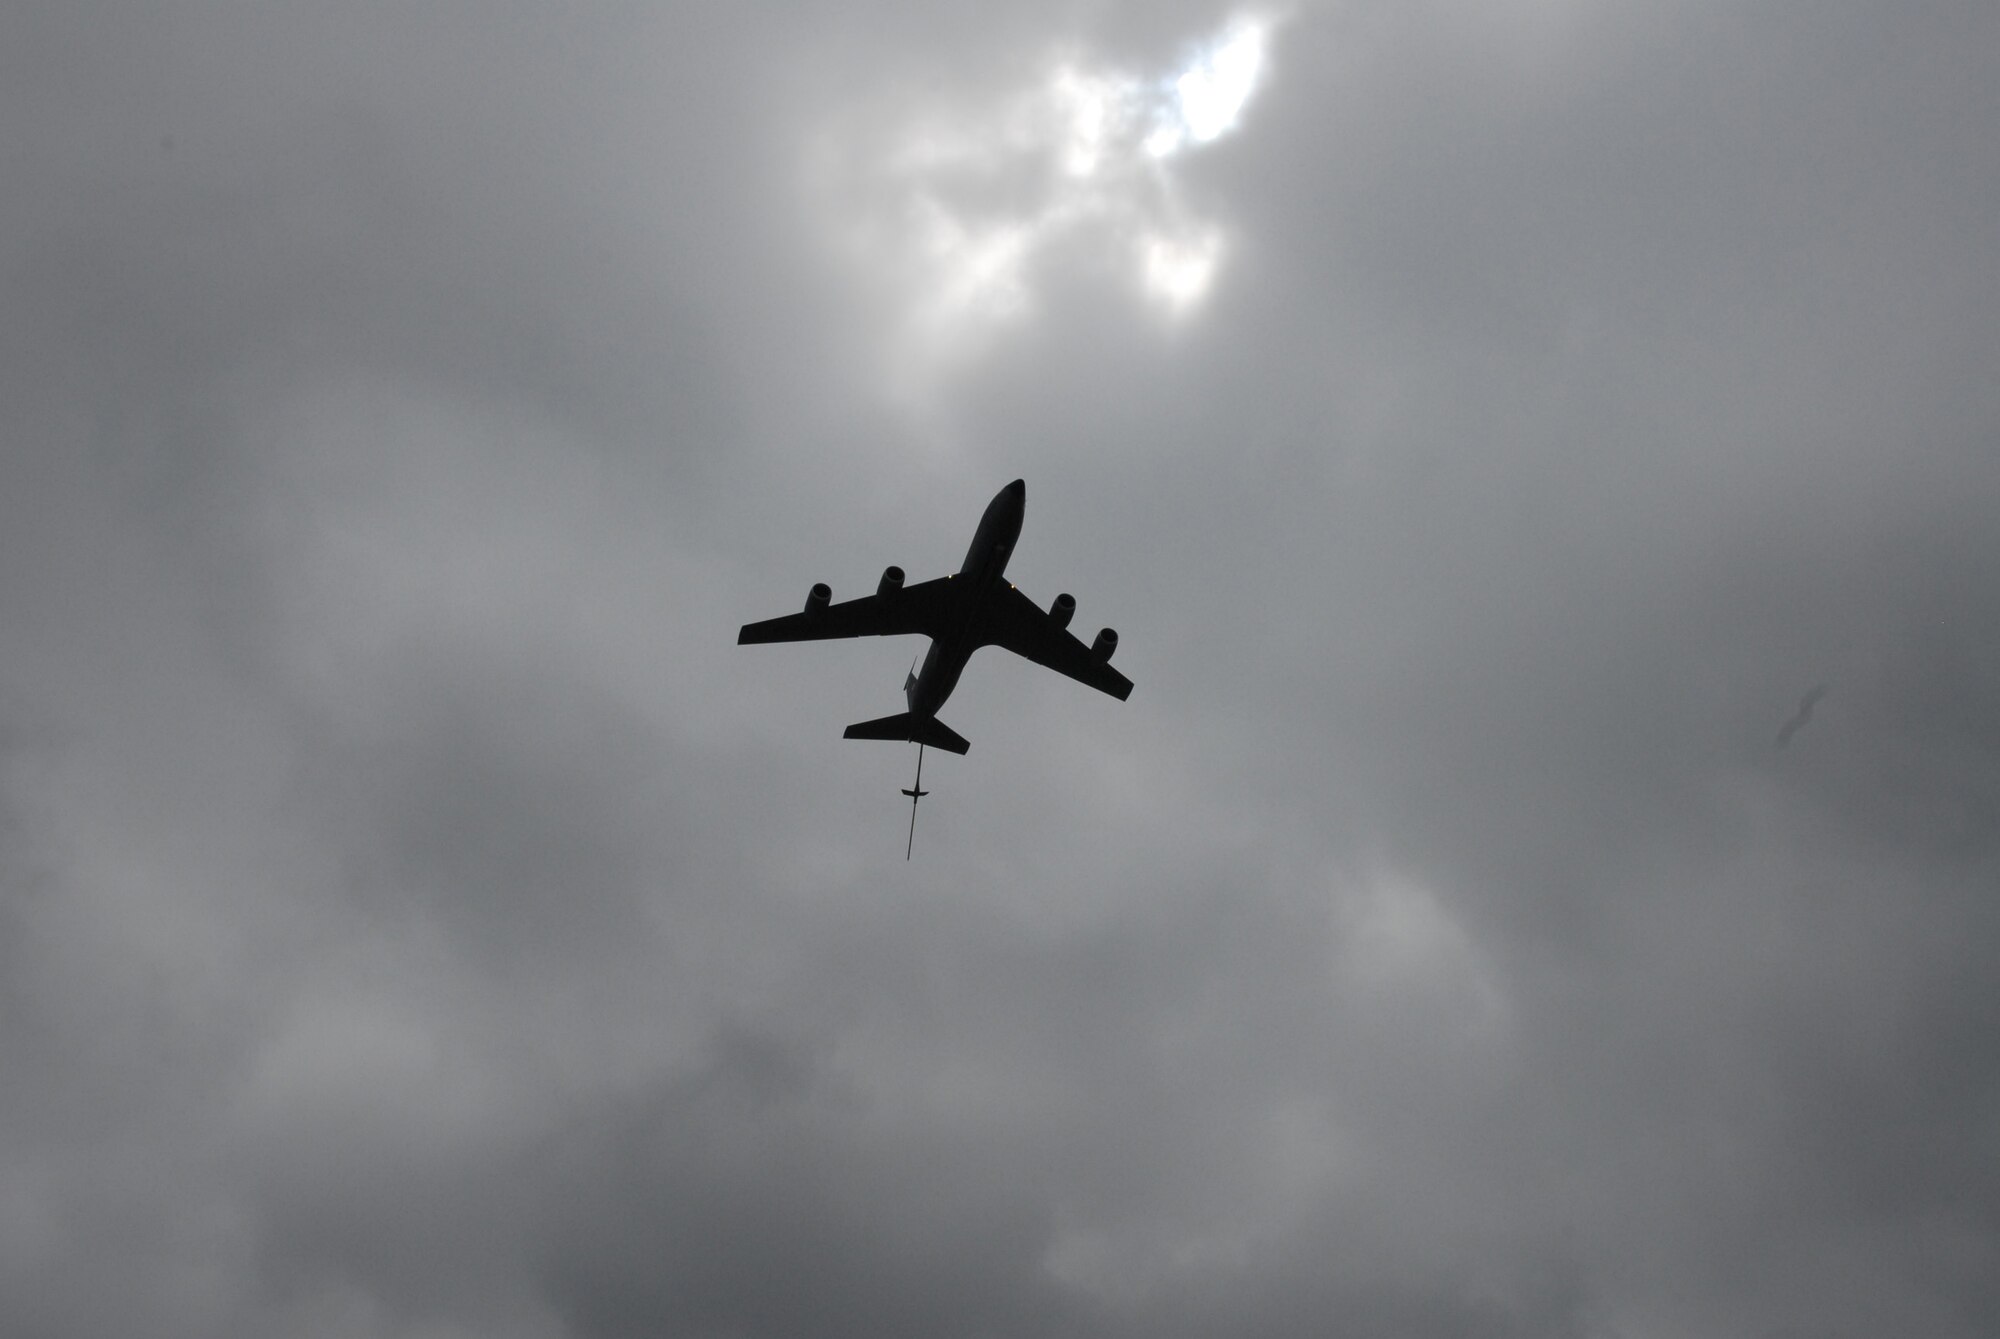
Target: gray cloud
420,918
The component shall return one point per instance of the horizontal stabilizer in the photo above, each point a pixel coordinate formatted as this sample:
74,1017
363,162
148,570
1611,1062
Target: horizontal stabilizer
909,726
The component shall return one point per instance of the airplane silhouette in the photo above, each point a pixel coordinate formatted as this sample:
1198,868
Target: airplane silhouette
974,607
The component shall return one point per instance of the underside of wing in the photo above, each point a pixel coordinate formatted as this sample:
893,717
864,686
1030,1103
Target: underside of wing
1015,622
924,608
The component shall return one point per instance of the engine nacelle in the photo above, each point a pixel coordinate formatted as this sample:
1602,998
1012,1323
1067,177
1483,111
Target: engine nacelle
892,581
1062,610
1106,643
818,598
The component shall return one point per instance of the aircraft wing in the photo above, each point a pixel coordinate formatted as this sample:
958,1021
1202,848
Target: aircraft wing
1020,625
924,608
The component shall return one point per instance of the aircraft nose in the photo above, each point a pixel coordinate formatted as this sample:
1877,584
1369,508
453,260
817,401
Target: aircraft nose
1019,488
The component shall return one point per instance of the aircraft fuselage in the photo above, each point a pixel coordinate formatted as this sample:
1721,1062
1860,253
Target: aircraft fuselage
986,568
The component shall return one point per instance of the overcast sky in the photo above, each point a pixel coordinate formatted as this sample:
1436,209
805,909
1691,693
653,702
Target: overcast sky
1484,421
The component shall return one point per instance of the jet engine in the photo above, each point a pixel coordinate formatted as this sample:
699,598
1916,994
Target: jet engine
892,581
817,598
1106,643
1062,609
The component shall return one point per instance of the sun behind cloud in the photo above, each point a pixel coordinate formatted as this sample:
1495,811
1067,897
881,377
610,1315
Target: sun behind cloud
1209,95
955,208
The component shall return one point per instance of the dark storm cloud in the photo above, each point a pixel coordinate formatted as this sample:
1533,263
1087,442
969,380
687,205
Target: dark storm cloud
420,918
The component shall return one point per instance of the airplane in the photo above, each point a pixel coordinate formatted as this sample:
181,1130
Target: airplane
974,607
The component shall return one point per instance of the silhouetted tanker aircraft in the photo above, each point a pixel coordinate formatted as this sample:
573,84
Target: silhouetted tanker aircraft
975,607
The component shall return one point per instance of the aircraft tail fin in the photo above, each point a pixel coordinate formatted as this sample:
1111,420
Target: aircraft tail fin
904,725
